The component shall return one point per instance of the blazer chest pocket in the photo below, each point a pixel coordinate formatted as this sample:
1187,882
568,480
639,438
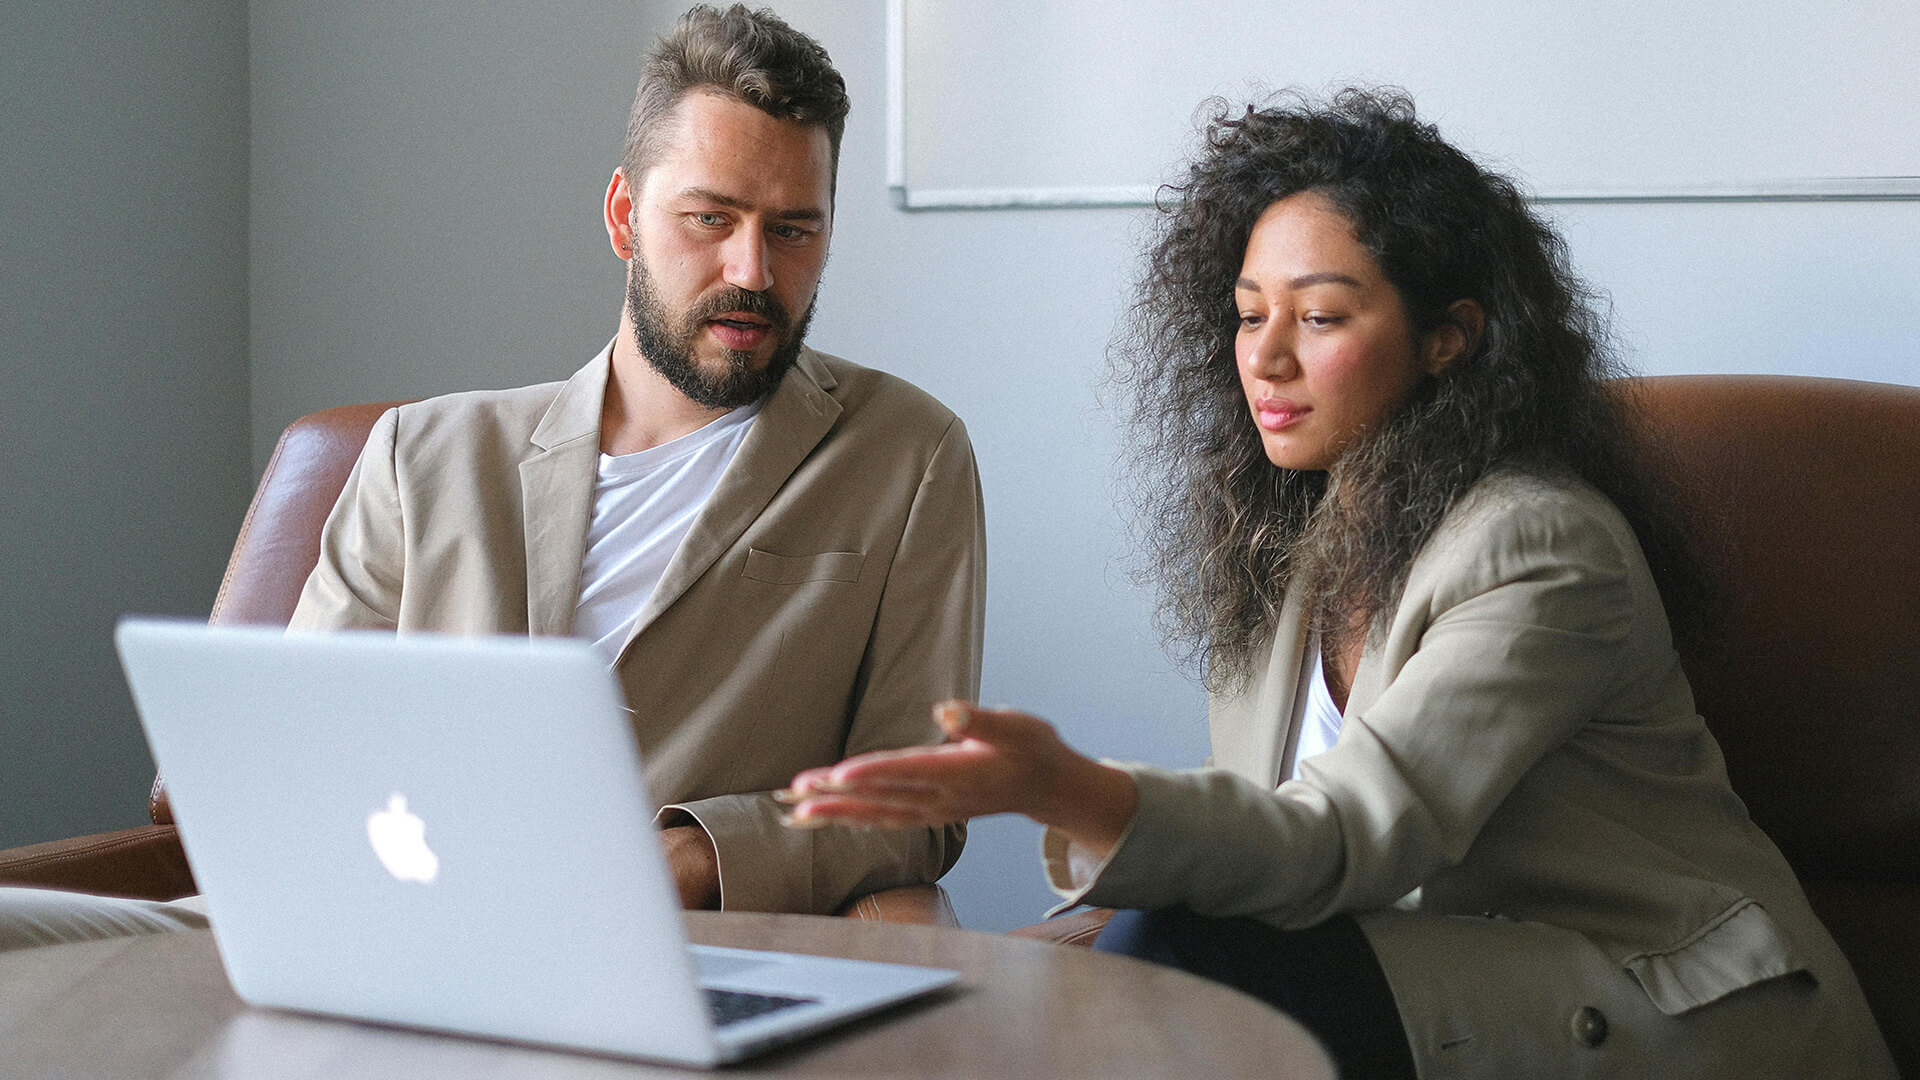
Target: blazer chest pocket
795,569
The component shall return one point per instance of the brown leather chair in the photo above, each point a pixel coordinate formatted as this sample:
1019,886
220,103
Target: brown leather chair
278,546
1804,494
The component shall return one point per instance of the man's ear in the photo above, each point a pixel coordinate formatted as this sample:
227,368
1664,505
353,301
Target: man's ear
1455,337
619,213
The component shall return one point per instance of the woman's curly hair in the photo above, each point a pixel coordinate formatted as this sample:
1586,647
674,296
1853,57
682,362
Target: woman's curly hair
1224,532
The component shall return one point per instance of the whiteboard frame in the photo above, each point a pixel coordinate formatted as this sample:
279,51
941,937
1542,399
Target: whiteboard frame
1811,189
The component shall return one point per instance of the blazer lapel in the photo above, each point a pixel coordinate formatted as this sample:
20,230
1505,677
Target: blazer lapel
1252,731
797,415
556,493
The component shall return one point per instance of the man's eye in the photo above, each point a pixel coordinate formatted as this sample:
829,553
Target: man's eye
710,219
789,232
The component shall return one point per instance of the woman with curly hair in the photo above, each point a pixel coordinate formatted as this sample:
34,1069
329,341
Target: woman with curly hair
1461,817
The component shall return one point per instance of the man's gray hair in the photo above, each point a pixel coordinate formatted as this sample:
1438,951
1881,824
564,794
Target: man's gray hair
750,56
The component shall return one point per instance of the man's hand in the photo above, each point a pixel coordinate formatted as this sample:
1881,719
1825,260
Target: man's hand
696,866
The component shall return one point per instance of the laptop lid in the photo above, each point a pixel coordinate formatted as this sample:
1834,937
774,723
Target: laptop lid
440,832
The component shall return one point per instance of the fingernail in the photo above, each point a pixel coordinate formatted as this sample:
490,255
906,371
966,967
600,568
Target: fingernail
950,716
803,821
788,795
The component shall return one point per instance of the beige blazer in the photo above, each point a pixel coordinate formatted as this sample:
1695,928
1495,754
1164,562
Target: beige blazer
831,590
1527,816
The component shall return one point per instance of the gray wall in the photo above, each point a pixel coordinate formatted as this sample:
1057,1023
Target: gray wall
425,217
426,189
123,210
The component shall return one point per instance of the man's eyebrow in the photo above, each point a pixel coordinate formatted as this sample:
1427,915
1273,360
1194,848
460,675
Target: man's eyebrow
720,199
1322,278
709,195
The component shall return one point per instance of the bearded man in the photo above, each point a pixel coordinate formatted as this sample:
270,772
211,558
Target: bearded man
781,553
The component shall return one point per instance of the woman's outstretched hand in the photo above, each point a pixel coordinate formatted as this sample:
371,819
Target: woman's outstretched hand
996,761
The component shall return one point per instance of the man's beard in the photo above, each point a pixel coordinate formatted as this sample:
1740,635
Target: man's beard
667,342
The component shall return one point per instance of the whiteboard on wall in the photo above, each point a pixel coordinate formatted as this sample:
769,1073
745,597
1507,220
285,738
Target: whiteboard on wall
1093,102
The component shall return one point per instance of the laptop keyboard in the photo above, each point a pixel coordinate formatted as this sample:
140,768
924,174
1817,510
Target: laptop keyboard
733,1006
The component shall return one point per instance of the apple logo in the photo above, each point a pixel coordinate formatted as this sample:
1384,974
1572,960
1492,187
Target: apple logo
399,837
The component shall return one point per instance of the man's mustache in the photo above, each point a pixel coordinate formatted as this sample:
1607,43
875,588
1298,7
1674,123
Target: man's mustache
734,298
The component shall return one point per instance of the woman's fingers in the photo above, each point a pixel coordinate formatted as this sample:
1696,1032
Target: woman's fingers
888,809
934,785
947,764
966,720
994,762
906,789
908,766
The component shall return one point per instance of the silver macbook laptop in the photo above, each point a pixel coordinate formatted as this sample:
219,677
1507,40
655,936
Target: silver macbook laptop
452,833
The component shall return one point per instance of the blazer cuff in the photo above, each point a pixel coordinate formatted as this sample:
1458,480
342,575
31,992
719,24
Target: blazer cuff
764,866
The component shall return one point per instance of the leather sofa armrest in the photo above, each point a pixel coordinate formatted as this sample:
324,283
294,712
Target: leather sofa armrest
146,863
1073,928
927,905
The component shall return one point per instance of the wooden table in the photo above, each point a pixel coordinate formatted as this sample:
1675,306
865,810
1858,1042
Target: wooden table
159,1006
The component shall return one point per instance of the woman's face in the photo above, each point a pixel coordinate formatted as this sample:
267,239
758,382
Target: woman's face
1324,348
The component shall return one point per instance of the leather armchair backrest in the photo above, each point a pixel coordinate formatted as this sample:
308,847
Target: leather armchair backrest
279,541
1805,494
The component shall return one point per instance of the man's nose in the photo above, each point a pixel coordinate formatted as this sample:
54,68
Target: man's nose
746,262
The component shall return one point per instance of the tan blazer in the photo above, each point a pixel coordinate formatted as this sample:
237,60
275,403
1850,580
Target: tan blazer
829,592
1531,822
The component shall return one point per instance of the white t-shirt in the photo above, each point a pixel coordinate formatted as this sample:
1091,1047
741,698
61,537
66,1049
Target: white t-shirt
643,505
1320,717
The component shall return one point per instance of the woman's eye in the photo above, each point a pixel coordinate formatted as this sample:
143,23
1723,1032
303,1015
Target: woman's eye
1320,319
1248,322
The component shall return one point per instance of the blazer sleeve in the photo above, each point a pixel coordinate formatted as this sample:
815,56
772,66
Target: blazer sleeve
924,648
356,583
1521,623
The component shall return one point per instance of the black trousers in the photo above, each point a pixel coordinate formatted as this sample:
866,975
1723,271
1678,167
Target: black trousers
1326,977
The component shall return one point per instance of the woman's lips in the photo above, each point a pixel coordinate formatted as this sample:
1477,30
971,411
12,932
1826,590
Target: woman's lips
739,331
1275,414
